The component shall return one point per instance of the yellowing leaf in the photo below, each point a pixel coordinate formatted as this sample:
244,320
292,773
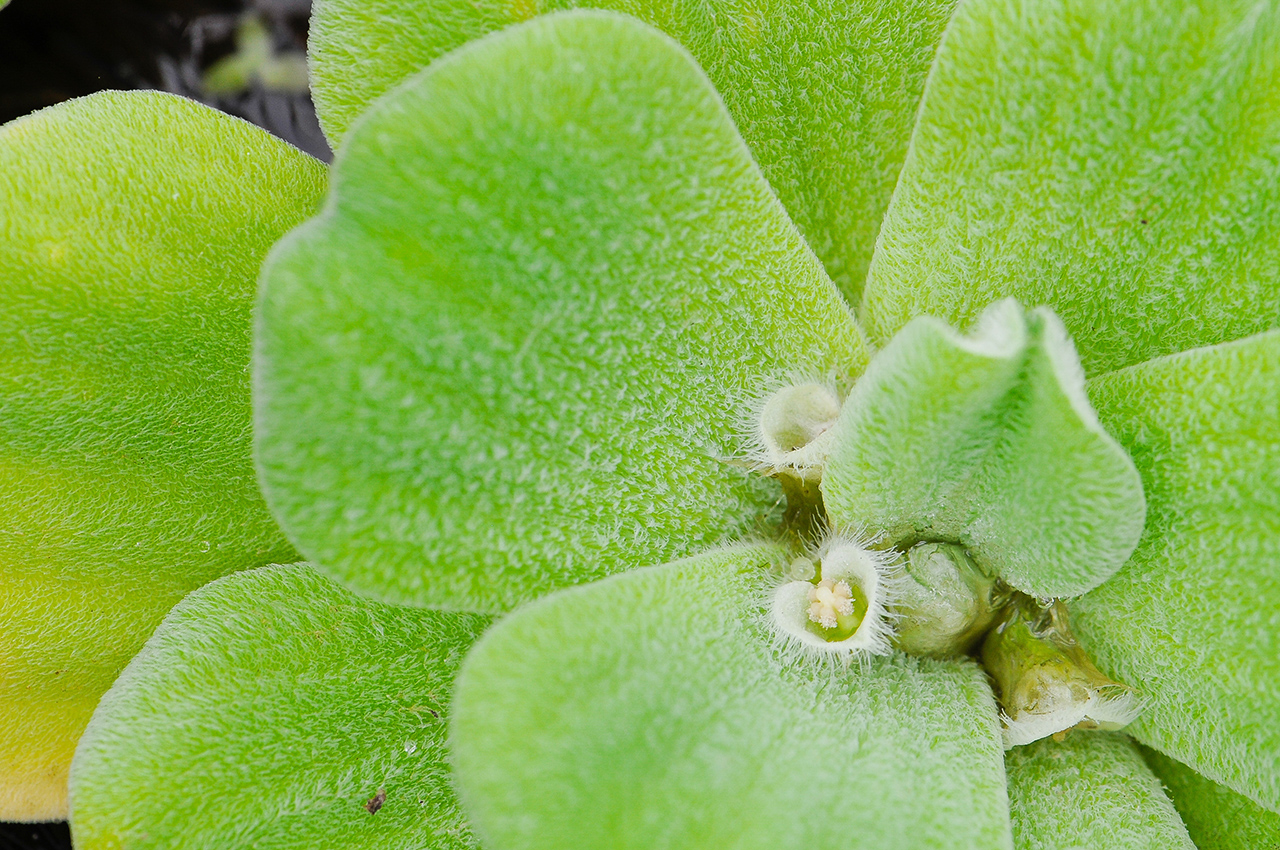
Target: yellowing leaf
132,226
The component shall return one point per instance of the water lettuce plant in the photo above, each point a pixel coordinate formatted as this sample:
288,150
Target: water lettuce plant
852,415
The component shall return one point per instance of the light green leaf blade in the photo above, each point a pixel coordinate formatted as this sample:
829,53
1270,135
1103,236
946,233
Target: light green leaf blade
989,441
1092,790
654,709
824,91
1216,818
1118,160
131,231
1193,620
517,349
267,710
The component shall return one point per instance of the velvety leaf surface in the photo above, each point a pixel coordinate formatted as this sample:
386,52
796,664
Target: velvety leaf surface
267,711
824,91
131,231
1193,620
1118,160
987,440
655,710
1216,818
517,349
1091,791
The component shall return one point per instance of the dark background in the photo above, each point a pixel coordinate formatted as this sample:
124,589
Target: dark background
54,50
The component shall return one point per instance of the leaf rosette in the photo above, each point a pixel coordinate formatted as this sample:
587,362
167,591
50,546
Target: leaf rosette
571,341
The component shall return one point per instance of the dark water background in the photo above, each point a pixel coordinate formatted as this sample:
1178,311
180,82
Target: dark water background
54,50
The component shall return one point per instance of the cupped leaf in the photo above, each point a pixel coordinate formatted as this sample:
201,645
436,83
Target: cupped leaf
516,350
1118,160
131,231
1216,818
989,441
655,709
824,91
1091,790
1193,620
272,709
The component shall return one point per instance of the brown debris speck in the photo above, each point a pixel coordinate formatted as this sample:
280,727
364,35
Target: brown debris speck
376,801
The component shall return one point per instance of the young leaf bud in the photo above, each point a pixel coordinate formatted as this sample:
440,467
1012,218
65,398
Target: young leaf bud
945,601
1047,685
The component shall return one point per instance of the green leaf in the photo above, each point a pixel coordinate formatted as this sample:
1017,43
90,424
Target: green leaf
132,226
1118,160
1091,790
267,711
655,709
989,441
1216,818
1193,620
518,348
824,91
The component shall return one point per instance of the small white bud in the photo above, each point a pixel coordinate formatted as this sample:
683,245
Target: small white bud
802,569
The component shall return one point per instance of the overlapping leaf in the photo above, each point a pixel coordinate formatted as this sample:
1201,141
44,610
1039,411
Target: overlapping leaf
1216,818
1091,790
1118,160
824,92
272,709
653,709
131,230
1193,620
516,350
987,440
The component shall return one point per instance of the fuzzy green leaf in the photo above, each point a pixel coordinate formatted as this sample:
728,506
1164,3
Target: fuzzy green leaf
824,91
655,709
131,231
1193,620
1092,790
989,441
1216,818
1118,160
267,711
517,349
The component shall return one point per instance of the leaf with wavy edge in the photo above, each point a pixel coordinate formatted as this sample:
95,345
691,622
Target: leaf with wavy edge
1091,790
1118,160
1216,818
1193,620
655,709
824,91
516,350
268,710
987,440
132,226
